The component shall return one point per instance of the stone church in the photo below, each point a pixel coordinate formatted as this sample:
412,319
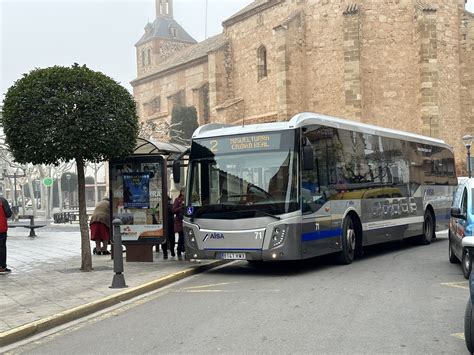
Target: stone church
403,64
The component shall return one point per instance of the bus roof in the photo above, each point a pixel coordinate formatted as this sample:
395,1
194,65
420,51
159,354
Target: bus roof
306,119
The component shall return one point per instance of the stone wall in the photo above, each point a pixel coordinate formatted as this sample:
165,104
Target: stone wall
191,79
467,75
402,64
161,50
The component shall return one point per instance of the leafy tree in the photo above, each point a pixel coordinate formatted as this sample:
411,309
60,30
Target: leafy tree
185,121
59,114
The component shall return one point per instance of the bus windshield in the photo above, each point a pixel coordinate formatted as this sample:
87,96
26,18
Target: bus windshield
243,176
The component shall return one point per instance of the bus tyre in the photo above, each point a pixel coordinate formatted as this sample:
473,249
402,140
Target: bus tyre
346,255
428,228
469,327
466,263
452,257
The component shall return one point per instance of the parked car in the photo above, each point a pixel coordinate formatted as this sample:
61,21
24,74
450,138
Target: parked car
461,225
468,243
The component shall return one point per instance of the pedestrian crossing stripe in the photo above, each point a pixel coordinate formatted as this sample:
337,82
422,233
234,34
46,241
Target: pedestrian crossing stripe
463,284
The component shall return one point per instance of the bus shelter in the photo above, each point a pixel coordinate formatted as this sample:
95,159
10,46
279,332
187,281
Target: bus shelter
139,195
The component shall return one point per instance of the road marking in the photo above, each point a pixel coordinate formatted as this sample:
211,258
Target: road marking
458,335
203,291
211,285
463,284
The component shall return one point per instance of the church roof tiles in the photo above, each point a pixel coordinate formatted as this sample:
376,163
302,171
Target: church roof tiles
188,55
162,28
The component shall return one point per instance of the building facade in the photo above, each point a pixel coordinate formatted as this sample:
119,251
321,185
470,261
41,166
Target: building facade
403,64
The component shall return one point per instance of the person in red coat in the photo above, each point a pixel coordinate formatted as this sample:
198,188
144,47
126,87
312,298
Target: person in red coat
178,206
100,227
5,212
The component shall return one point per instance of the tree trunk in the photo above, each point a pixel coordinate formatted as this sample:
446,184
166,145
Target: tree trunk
60,192
23,202
32,193
85,244
50,198
96,189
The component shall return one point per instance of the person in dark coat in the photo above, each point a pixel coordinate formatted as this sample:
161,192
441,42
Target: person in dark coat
170,239
5,212
178,206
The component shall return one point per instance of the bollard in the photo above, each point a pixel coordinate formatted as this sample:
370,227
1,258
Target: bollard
119,280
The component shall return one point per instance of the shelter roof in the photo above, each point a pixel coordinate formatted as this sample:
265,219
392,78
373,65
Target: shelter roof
149,147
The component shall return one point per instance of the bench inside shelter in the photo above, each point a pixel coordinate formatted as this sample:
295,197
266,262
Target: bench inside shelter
31,225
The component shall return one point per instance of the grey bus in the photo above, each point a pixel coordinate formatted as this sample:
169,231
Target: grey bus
311,186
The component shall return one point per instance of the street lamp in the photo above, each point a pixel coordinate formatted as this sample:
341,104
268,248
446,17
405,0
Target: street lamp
68,178
468,142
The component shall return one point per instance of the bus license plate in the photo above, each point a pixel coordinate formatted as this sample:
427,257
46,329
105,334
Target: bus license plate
232,256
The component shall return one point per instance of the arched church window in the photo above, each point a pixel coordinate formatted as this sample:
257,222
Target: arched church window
262,62
143,58
167,7
149,56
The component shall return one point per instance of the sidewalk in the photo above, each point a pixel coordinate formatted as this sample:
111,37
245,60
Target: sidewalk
46,279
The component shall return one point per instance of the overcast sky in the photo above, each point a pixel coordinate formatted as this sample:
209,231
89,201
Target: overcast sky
100,34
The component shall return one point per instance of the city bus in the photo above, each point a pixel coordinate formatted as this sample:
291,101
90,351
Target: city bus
311,186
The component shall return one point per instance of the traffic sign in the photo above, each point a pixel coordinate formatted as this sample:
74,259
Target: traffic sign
48,182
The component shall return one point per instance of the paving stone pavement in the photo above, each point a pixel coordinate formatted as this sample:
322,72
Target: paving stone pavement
46,277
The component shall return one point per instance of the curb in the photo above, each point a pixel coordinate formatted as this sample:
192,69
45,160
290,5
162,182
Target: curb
19,333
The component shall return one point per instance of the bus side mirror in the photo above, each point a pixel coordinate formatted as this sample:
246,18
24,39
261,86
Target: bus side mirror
308,158
176,172
456,213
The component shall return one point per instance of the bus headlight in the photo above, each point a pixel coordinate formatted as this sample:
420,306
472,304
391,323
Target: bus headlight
278,236
190,237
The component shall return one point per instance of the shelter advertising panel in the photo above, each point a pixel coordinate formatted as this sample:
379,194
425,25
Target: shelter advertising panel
137,198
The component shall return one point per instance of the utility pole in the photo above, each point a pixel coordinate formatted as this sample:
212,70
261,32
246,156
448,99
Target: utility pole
205,30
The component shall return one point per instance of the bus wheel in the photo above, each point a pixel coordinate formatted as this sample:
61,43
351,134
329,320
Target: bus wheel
468,327
428,228
466,263
346,255
453,259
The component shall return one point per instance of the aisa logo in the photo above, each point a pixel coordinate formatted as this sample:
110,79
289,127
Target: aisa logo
213,236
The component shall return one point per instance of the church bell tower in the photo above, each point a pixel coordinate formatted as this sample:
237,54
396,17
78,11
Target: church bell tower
164,8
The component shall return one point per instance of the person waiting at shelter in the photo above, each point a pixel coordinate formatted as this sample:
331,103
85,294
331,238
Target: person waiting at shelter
100,227
170,238
178,206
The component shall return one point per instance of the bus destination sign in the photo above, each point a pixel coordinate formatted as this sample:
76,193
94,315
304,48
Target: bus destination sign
243,143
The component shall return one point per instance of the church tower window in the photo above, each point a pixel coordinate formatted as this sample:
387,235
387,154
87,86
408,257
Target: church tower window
174,32
262,62
149,56
143,58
